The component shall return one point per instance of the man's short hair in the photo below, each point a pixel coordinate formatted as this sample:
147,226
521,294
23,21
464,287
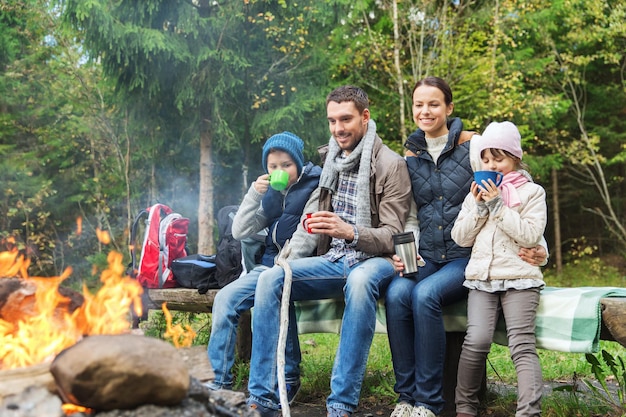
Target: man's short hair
349,93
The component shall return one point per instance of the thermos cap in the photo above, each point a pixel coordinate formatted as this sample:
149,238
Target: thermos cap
400,238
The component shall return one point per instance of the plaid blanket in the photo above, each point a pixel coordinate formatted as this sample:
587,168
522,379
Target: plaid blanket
568,319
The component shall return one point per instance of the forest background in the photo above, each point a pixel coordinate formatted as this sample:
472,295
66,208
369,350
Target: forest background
107,107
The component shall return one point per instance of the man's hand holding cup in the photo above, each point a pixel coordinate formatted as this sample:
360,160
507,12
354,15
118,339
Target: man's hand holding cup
328,223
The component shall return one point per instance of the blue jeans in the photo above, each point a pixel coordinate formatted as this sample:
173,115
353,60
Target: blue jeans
417,337
230,302
316,278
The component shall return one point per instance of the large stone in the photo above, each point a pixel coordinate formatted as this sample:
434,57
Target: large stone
120,372
31,402
17,300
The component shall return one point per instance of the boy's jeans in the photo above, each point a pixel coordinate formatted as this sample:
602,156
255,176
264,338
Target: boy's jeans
230,302
316,278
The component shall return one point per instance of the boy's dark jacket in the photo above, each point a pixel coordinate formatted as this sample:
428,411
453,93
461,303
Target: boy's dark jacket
285,211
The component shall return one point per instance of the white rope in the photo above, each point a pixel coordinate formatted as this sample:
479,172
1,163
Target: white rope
284,326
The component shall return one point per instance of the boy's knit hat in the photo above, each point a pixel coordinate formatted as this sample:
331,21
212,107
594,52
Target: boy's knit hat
503,136
286,142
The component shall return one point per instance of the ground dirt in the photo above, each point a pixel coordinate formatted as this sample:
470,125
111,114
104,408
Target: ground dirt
368,407
318,409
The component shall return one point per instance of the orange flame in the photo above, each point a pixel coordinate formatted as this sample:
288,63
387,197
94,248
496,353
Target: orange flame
39,335
79,226
179,337
12,264
69,409
103,236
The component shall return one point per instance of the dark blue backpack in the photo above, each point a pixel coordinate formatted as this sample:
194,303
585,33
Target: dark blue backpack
228,266
205,272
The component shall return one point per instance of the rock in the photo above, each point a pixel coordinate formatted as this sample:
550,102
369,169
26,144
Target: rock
14,381
197,361
120,372
32,402
201,402
17,299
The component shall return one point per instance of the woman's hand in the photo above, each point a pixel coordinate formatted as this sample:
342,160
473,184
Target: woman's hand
398,265
535,256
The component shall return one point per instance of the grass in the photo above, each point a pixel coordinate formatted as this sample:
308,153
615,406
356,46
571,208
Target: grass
564,369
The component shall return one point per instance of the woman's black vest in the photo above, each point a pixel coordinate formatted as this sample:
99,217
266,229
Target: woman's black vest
439,190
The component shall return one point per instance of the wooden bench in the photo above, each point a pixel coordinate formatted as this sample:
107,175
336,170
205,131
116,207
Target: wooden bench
185,299
180,299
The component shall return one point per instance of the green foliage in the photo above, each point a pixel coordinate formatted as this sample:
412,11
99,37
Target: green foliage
38,123
596,273
599,364
220,78
156,325
103,115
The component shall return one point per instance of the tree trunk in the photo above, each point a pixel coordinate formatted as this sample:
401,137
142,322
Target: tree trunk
206,221
396,61
558,256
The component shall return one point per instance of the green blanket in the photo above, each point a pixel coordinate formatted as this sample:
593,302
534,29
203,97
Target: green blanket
568,319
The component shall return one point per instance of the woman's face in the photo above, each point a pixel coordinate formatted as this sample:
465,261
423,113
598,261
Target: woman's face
430,111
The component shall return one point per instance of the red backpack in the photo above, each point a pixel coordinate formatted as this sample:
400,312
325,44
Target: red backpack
165,239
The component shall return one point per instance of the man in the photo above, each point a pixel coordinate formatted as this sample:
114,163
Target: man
365,195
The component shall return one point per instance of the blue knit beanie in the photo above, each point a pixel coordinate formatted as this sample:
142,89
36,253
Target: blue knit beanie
286,142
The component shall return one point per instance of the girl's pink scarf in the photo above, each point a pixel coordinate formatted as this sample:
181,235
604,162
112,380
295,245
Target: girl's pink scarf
510,182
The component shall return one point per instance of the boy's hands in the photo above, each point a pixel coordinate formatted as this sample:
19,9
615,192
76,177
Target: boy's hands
262,183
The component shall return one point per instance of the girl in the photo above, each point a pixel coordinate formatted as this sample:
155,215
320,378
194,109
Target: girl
496,222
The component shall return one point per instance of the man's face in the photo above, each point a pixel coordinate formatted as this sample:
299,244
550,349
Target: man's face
346,124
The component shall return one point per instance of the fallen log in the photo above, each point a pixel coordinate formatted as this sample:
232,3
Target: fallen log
614,319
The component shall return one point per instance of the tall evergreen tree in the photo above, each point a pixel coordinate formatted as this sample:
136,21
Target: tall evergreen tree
230,70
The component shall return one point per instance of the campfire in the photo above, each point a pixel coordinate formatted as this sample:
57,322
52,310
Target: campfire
43,325
38,321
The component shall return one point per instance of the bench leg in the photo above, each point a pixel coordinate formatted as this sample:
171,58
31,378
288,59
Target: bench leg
244,337
454,344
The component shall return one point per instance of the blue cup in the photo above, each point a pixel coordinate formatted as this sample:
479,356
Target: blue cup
494,176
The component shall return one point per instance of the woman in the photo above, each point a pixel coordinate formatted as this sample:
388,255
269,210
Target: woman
438,159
